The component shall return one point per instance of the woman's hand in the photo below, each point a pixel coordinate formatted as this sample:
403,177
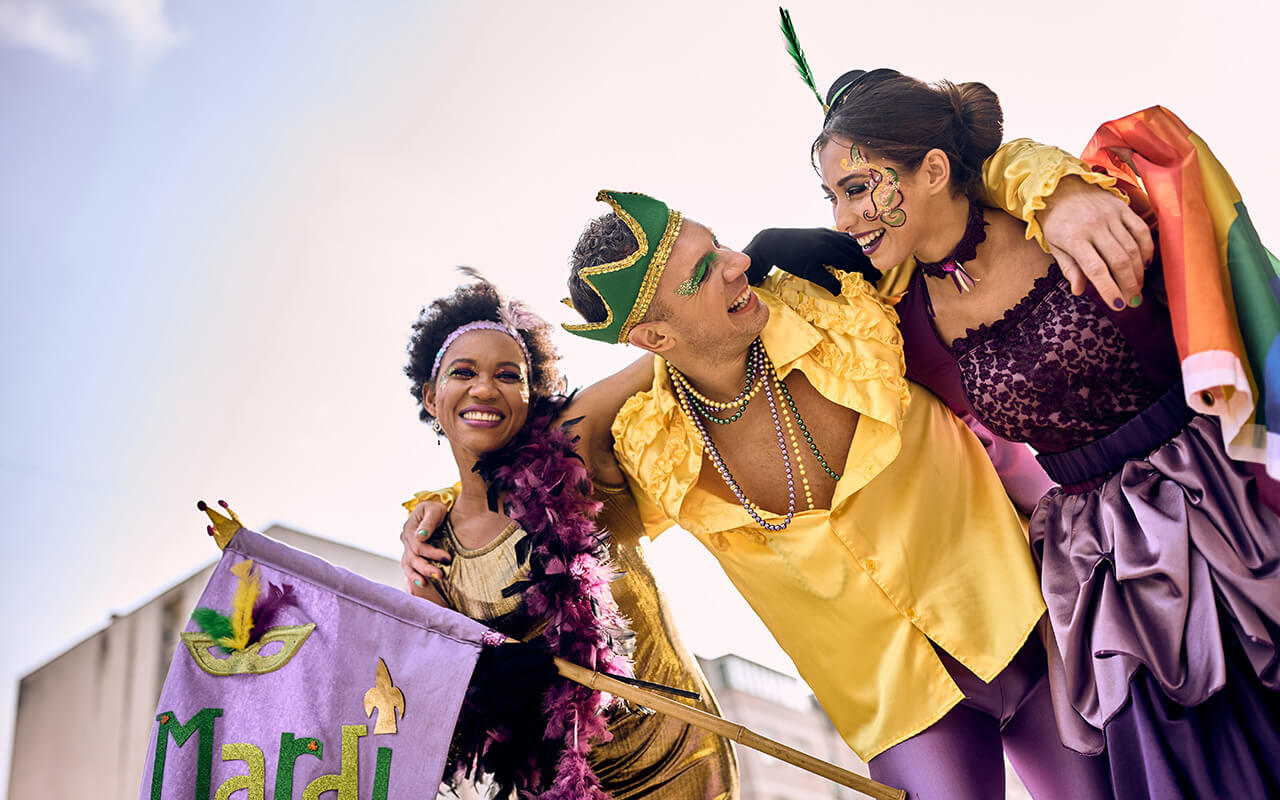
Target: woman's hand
806,253
420,561
1097,239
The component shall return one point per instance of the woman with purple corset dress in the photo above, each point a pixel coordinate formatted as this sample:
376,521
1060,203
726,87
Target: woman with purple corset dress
1160,562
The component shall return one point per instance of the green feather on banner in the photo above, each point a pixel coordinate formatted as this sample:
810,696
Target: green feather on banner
218,626
797,55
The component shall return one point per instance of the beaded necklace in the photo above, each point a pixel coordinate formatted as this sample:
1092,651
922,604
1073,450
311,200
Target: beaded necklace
760,373
705,406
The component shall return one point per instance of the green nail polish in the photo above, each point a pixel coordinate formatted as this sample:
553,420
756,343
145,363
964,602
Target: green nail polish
417,583
423,534
1135,301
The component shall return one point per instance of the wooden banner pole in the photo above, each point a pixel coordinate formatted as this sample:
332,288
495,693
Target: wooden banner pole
727,729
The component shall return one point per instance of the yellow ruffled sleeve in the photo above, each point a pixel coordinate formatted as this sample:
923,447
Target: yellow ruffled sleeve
444,496
657,451
1022,173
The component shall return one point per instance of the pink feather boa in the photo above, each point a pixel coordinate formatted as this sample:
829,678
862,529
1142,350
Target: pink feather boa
548,492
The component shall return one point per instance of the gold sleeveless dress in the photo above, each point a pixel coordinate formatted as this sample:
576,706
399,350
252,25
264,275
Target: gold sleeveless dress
651,755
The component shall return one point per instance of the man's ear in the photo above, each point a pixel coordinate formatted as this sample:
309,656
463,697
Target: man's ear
936,171
651,336
429,398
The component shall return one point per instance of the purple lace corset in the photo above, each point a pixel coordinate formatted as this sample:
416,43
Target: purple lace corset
1055,371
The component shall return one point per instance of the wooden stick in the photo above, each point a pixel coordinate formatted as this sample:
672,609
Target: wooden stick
727,729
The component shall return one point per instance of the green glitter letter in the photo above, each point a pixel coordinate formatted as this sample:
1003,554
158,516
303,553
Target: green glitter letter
203,723
290,749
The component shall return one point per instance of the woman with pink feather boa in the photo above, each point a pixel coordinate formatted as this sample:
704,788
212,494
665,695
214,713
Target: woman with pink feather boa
536,550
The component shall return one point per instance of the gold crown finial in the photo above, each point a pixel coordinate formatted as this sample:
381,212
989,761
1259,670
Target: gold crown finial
223,527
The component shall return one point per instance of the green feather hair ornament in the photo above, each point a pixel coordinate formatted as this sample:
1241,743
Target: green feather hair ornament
797,55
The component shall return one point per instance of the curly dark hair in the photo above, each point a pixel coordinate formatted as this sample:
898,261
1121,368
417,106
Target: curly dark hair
605,239
473,302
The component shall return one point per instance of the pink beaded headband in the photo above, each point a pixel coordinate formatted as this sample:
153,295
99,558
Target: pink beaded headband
479,325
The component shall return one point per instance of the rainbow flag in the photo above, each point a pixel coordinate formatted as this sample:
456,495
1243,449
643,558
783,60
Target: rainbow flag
1223,285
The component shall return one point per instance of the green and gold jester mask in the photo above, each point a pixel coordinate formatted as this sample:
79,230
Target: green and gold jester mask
627,286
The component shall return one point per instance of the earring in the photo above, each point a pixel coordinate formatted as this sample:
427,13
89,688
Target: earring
435,426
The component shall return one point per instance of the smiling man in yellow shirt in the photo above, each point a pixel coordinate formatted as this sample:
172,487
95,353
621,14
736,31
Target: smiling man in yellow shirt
861,520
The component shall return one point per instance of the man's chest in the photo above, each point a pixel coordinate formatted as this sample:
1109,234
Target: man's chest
785,452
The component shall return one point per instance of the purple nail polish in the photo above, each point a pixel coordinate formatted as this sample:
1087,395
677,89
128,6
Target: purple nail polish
1117,303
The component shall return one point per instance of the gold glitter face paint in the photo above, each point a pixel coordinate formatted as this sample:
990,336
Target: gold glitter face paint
691,284
885,187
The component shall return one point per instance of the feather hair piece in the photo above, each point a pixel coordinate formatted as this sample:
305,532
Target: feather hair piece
797,55
517,316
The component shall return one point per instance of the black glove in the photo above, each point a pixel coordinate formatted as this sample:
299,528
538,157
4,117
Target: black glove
510,679
805,253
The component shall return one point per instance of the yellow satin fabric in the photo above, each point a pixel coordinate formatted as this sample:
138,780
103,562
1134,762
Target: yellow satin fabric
651,755
921,543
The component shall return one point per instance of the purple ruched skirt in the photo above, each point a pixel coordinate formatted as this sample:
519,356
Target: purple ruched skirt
1162,580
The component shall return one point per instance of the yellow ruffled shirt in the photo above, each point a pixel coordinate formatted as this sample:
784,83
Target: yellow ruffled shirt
921,543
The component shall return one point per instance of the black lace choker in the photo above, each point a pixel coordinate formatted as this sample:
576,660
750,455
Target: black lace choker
975,233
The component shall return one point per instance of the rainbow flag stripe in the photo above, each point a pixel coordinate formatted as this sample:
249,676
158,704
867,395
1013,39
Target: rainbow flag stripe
1223,285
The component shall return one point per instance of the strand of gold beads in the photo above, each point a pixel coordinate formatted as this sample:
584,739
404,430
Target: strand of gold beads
790,407
787,419
748,391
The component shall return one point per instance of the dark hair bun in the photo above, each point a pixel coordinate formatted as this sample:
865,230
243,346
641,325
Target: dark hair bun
979,121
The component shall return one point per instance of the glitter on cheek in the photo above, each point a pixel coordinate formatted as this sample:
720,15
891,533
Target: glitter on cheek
691,284
884,187
891,195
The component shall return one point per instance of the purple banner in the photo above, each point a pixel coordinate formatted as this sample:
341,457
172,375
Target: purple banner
350,694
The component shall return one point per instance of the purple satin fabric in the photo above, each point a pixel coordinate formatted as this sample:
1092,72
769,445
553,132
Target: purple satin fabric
1135,571
1227,746
429,652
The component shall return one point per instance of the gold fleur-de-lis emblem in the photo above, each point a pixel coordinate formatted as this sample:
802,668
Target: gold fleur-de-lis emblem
386,698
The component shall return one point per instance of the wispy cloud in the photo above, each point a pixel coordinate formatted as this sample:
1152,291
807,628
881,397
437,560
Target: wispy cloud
74,33
141,24
42,28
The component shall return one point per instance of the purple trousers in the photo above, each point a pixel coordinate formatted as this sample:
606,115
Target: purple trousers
960,757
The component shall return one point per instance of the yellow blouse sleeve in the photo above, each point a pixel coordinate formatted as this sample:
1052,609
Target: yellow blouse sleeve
656,451
1022,173
444,496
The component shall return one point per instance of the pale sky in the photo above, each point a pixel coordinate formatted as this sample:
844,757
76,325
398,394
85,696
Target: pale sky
218,221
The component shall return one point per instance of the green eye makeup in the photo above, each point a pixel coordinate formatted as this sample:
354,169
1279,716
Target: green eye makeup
695,280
